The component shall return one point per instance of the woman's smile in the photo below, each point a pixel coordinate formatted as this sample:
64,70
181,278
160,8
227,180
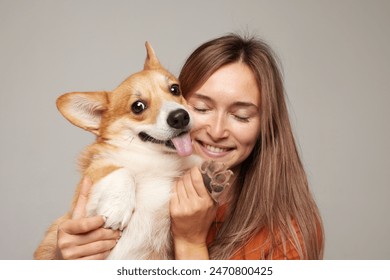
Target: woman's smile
212,150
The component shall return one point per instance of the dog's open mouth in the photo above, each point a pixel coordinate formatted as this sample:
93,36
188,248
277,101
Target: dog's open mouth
181,143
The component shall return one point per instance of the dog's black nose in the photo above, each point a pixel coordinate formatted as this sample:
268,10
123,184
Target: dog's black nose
178,119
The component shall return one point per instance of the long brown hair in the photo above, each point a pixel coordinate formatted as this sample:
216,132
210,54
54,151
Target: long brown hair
271,190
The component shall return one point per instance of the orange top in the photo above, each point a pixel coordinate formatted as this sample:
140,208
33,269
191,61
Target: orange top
259,246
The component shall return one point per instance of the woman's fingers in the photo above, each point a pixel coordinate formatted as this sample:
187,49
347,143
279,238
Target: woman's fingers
100,256
193,183
86,244
82,225
91,250
189,185
192,210
99,235
189,189
181,191
86,230
197,182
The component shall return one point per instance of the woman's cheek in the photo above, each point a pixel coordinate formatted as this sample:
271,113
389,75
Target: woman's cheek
199,120
246,134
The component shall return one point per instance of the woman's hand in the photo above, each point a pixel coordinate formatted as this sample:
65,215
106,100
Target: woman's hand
84,238
192,213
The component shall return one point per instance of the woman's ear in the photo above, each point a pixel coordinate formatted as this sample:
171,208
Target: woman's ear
83,109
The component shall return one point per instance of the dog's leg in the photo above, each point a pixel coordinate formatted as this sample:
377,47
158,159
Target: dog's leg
114,197
215,177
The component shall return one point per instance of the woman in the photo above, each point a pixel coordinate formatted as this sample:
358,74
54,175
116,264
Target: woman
234,89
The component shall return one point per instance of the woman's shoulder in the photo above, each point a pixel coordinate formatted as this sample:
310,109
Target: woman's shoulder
277,245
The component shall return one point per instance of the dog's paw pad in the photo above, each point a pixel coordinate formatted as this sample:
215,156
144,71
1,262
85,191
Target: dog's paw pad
222,178
215,177
211,168
217,188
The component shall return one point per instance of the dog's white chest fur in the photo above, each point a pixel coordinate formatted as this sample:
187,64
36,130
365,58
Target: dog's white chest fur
135,199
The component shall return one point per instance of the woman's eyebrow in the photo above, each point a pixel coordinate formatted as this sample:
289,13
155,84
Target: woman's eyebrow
244,104
202,96
241,104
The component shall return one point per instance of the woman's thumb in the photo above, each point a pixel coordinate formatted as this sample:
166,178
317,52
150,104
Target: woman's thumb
79,210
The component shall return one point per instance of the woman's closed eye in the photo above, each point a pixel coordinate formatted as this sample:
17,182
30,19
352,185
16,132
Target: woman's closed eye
243,114
241,118
200,109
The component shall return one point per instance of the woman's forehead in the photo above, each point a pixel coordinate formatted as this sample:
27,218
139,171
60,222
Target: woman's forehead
232,83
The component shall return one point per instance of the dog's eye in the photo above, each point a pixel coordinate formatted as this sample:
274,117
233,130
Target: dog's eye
175,89
138,107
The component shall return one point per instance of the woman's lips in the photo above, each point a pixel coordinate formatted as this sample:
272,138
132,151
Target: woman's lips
213,151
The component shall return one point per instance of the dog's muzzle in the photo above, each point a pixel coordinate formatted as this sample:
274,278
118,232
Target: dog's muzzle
178,119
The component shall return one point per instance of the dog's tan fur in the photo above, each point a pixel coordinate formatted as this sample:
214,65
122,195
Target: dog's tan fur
108,115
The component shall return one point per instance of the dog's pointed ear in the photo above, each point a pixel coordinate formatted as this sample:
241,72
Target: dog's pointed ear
84,109
151,61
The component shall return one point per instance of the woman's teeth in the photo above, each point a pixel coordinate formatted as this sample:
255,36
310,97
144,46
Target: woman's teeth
215,149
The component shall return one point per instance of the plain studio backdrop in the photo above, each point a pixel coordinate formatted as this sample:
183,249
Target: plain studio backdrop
336,66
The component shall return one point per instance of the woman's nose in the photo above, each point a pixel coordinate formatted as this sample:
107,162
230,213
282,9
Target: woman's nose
217,128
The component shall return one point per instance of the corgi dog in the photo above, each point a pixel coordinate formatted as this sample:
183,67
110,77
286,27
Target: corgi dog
142,145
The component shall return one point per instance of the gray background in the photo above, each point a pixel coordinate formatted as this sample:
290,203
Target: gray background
336,65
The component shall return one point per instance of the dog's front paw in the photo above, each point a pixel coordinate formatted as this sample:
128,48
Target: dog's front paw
114,198
215,177
117,216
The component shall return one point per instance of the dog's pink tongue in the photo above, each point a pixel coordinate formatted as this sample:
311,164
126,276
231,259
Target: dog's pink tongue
183,145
